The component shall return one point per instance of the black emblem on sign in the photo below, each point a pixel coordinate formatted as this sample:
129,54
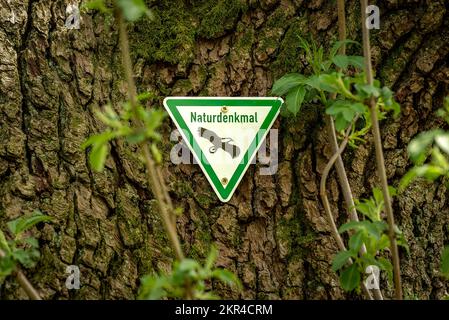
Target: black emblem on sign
219,143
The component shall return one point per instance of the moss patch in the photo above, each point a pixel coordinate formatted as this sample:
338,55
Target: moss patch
219,16
289,52
171,37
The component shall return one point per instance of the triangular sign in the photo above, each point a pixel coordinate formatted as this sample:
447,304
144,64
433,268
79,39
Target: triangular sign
224,134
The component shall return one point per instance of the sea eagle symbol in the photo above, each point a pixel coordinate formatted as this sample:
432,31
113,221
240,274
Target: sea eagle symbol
219,143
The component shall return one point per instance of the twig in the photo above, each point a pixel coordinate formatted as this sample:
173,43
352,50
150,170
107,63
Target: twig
24,282
154,176
340,168
380,161
341,171
325,200
323,193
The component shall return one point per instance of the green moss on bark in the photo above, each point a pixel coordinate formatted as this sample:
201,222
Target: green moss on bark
219,16
288,59
171,37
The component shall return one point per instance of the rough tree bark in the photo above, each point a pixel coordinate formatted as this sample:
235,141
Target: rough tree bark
273,233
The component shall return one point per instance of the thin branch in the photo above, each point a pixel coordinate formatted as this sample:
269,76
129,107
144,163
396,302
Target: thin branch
380,161
155,179
327,208
24,282
323,191
167,216
341,24
341,171
154,175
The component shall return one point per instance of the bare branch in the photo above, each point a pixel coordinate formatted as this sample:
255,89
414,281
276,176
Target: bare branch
155,179
380,161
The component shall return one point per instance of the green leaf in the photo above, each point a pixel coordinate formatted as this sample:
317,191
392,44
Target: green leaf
347,108
344,112
350,278
407,179
344,62
401,240
305,45
419,145
341,259
294,99
442,140
133,10
386,265
392,191
439,160
4,243
287,83
96,5
98,156
153,288
389,103
22,224
340,122
367,91
338,44
340,61
328,82
187,265
211,258
136,137
157,155
378,195
32,242
324,82
383,243
430,172
145,96
356,241
386,94
358,107
7,266
97,139
27,258
314,82
445,262
311,95
352,225
153,120
365,208
376,228
348,114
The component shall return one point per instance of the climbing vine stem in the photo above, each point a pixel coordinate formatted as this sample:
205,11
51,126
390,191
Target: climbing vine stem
337,160
380,161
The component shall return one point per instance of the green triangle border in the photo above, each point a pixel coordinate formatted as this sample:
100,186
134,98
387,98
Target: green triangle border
172,104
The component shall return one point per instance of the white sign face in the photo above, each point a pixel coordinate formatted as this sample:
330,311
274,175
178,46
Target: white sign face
224,134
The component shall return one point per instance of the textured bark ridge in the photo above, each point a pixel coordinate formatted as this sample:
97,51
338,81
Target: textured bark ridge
272,233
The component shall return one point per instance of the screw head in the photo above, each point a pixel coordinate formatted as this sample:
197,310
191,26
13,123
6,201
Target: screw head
224,181
224,109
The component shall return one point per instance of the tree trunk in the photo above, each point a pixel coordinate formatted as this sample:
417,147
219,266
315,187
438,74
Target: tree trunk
273,232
